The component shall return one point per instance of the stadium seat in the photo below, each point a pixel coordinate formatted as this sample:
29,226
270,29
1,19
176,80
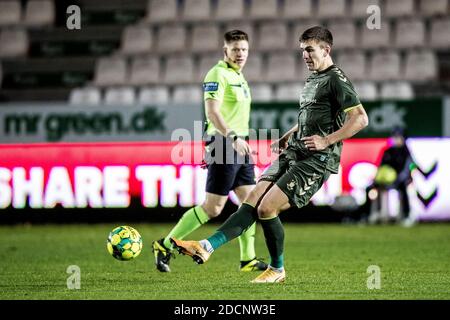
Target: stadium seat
434,7
39,13
230,10
188,94
171,38
282,67
162,11
331,8
421,66
136,40
205,37
196,10
10,13
85,96
366,90
178,70
272,36
13,43
439,35
288,92
110,71
376,38
261,92
297,30
245,26
120,96
344,34
297,9
206,62
398,90
145,70
409,33
154,95
353,63
384,66
253,70
359,7
399,8
263,9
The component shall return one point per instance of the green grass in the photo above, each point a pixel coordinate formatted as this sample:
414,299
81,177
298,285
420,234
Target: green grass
322,262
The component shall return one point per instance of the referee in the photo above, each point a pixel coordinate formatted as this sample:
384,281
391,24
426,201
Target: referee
227,108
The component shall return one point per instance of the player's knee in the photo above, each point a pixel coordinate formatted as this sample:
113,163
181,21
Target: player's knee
213,210
265,211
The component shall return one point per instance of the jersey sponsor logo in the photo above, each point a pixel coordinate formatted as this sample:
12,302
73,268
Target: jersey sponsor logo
210,86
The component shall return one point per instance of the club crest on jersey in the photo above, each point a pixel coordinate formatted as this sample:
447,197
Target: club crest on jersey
291,185
210,86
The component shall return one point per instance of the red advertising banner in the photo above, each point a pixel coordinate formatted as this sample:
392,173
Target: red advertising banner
168,174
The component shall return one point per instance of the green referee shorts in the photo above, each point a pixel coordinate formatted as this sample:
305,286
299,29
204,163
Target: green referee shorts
298,179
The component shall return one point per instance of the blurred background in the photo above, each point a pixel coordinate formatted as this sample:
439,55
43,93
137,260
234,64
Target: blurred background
91,93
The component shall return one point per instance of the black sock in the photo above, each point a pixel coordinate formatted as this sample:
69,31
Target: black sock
274,234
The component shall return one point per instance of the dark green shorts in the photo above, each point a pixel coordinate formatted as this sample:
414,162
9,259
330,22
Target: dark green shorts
298,179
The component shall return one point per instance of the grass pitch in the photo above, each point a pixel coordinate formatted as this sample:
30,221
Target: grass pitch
327,261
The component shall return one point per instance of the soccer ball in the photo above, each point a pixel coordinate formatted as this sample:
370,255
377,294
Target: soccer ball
124,243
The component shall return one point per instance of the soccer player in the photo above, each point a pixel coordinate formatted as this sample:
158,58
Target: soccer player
227,107
330,111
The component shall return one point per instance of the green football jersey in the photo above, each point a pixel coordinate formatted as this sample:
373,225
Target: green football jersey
325,98
225,84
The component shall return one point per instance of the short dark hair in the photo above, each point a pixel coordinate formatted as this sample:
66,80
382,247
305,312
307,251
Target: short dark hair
235,35
317,33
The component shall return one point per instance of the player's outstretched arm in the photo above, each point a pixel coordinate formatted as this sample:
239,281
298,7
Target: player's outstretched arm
355,121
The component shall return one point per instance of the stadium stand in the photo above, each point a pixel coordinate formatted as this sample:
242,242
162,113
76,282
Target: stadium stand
171,43
110,71
144,70
254,68
196,10
358,9
398,90
353,63
230,10
162,11
205,38
85,96
287,92
136,40
331,8
187,94
296,9
262,92
263,9
399,8
10,13
39,13
124,96
272,36
157,94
